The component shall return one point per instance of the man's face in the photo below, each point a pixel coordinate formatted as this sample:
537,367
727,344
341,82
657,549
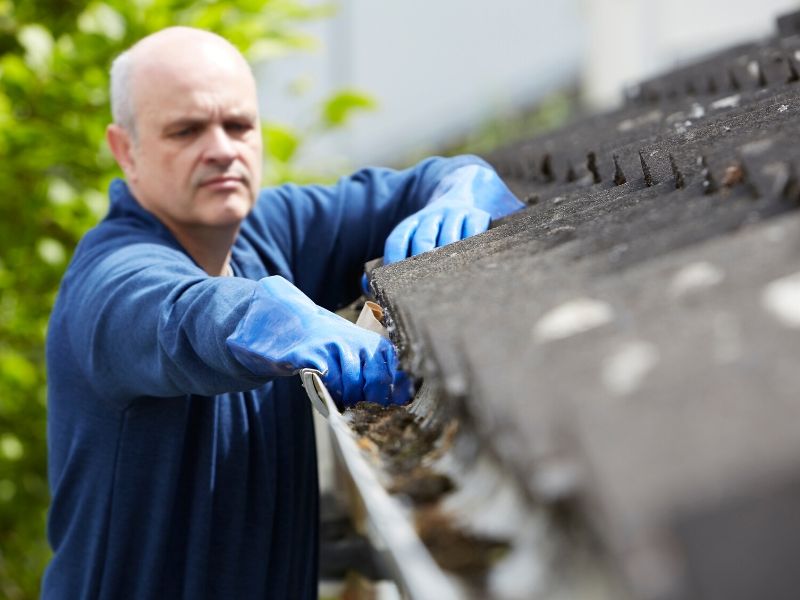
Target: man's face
196,157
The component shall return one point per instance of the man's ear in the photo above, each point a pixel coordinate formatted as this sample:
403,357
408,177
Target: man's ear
121,144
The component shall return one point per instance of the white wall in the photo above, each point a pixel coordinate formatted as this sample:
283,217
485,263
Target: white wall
629,40
436,68
439,67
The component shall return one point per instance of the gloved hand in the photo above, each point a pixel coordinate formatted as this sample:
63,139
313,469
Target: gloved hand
463,204
283,331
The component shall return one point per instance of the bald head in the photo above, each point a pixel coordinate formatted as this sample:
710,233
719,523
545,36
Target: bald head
187,134
183,53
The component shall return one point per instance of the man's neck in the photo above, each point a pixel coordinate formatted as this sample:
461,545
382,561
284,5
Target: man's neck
209,247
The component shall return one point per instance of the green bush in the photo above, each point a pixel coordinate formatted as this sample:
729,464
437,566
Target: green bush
54,172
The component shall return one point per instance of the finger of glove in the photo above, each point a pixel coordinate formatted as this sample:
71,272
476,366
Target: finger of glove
401,388
393,386
365,286
426,234
451,227
332,378
477,221
397,244
343,379
353,377
378,378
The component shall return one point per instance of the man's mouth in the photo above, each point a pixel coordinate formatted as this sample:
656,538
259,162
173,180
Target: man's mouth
222,181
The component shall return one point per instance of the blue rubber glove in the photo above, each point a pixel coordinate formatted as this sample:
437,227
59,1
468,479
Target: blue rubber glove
463,204
283,331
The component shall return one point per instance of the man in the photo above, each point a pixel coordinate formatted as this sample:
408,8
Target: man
182,457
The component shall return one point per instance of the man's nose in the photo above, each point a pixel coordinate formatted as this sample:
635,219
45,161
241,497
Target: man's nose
219,146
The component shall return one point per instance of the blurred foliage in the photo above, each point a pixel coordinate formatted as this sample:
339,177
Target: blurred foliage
54,62
339,107
283,143
549,113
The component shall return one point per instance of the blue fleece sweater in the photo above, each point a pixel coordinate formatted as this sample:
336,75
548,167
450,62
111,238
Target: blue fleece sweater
175,472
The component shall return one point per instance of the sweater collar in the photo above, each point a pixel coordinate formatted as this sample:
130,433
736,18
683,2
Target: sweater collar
124,204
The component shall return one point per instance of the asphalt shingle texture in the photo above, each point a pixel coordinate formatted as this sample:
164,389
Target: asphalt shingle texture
634,334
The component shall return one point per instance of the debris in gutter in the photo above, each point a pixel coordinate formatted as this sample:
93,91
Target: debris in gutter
395,432
392,436
468,555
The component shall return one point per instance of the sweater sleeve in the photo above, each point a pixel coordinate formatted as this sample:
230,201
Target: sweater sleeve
327,233
145,320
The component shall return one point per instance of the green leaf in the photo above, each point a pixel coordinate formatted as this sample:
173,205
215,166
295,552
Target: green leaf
282,142
340,107
10,447
38,44
60,192
101,19
17,369
51,251
278,46
8,490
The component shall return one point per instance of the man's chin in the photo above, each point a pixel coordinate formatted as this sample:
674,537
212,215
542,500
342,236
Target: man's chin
228,209
233,215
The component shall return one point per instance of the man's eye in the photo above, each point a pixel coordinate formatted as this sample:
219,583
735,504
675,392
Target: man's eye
184,132
238,127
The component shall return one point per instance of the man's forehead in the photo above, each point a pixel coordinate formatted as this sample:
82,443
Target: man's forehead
199,72
181,73
185,45
169,110
197,94
205,113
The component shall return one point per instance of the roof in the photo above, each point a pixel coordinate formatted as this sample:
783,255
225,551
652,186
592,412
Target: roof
629,342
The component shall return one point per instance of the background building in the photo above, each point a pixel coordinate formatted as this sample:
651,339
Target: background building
439,69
